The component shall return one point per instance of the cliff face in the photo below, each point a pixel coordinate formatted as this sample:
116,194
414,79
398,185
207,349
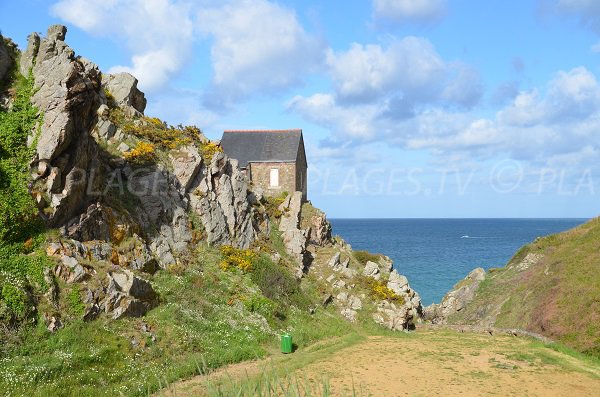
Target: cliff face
550,287
130,195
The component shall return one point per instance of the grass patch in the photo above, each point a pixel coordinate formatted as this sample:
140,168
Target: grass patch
365,256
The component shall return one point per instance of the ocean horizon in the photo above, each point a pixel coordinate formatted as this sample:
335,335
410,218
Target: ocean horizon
436,253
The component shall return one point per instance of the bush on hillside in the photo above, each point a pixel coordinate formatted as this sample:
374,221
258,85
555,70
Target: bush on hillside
278,284
365,256
234,258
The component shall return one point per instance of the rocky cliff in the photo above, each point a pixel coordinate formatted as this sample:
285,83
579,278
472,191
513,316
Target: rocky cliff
123,195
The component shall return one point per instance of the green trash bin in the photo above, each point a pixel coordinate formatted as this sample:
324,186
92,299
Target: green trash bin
286,343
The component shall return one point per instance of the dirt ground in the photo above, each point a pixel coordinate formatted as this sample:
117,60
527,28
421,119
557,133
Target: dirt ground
434,363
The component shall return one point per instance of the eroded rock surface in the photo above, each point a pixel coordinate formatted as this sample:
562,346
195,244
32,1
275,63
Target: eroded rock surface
123,88
67,95
455,300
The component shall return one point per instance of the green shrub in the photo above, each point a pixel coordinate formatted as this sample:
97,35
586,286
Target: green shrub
261,305
272,204
14,298
21,230
75,301
278,284
156,131
379,290
19,214
365,256
236,258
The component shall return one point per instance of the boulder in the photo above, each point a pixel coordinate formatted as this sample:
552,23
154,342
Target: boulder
372,270
455,300
128,295
349,314
105,129
398,283
123,87
319,229
54,324
187,163
395,318
70,270
334,262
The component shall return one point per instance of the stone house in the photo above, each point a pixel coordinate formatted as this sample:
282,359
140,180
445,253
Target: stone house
272,159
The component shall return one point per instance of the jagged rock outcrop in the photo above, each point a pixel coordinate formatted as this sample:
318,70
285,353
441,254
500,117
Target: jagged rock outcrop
318,228
295,238
219,195
123,88
127,295
455,300
394,315
186,163
67,95
122,293
28,57
372,270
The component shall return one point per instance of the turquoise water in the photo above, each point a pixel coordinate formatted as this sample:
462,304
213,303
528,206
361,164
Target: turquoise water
436,253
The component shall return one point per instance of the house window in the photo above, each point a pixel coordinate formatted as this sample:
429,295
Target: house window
274,177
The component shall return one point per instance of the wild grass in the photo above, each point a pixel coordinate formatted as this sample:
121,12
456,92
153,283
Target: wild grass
365,256
207,315
559,296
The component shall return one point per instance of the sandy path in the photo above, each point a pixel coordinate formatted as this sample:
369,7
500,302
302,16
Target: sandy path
444,364
426,363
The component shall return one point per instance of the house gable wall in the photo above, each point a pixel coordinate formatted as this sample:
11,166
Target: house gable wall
260,175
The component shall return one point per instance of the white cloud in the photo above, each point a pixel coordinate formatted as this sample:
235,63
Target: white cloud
351,123
465,87
408,69
258,46
364,72
159,33
545,126
542,127
572,95
389,92
421,11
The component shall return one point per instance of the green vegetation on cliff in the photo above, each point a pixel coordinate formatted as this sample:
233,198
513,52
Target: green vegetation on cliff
207,317
551,287
21,266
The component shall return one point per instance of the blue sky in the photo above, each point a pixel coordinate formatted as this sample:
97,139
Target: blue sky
410,108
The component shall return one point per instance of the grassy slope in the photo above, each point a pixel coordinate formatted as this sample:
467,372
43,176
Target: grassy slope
559,296
207,318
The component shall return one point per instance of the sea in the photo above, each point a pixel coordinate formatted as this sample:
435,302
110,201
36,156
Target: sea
434,254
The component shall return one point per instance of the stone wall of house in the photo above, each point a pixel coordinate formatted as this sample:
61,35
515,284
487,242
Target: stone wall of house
301,171
260,174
